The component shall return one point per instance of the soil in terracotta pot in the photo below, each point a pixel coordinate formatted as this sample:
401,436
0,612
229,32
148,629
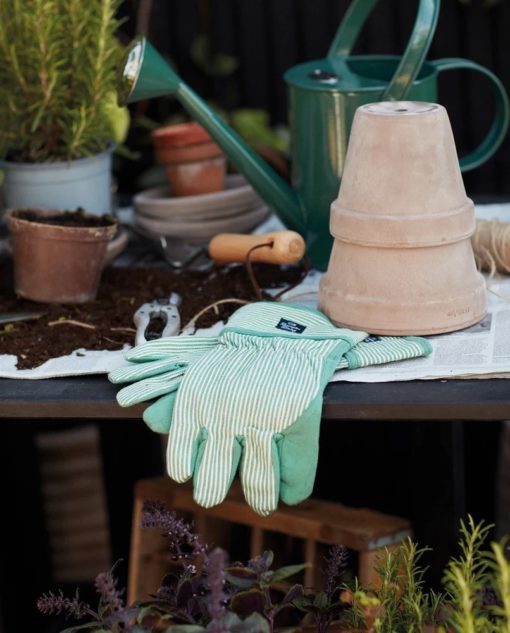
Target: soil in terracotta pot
76,218
107,322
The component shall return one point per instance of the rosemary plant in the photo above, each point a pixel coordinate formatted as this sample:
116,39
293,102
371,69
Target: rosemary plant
58,67
466,581
399,603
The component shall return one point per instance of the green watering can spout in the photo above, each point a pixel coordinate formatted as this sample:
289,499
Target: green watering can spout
146,74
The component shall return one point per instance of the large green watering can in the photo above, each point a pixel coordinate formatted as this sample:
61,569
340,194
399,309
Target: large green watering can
323,97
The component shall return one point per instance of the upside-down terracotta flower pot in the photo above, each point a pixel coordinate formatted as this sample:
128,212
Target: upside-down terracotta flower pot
58,255
194,163
402,261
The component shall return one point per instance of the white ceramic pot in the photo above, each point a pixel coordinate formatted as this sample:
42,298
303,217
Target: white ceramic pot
84,182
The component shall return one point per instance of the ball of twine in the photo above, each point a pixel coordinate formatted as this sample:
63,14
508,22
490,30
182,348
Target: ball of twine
491,246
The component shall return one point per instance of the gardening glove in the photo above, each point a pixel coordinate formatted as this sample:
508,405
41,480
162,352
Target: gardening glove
255,399
158,373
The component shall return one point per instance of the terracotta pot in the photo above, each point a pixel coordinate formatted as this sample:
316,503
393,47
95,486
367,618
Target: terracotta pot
194,163
402,261
58,263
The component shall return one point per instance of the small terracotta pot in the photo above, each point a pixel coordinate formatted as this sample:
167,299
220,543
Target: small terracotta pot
58,263
402,261
194,163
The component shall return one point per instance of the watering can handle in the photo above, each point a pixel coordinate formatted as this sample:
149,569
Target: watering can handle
499,127
414,55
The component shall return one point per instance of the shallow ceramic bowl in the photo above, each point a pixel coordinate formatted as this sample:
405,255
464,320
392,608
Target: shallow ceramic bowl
203,231
238,196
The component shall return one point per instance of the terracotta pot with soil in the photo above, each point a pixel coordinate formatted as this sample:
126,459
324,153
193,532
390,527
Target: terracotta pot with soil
194,163
58,255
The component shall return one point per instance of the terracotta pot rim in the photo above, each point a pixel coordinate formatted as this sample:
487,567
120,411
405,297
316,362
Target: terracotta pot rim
180,135
402,231
193,153
58,232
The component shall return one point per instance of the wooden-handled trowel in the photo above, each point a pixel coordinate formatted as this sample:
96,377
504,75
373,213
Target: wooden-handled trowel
278,247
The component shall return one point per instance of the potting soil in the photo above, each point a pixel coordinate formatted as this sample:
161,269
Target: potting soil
76,218
107,322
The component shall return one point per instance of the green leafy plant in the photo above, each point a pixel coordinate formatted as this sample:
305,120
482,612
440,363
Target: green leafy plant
58,66
399,602
478,584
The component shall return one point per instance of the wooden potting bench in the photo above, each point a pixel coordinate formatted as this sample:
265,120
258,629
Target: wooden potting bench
93,397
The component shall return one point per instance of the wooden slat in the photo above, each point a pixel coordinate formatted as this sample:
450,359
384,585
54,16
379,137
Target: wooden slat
324,521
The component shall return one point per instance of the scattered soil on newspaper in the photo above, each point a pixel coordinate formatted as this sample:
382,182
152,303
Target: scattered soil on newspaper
121,292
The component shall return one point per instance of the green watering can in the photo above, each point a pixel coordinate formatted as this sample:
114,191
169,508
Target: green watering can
323,97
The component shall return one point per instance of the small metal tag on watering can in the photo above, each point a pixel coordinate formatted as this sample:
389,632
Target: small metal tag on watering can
323,97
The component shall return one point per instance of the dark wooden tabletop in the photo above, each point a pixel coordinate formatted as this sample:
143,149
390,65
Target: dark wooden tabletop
94,397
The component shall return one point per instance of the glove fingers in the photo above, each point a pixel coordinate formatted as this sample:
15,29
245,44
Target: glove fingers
178,347
158,416
298,448
182,449
216,466
140,371
260,471
150,388
376,350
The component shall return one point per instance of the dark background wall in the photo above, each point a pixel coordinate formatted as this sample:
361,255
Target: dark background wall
269,36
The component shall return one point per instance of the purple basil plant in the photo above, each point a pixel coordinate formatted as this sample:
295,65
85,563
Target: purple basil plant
206,592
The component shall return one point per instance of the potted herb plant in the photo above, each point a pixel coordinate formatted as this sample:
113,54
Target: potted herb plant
206,593
58,115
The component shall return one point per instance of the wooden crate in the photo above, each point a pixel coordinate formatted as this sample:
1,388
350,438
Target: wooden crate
314,522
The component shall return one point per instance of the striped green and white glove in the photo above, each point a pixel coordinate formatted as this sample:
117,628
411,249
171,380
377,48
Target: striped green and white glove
158,367
255,400
378,350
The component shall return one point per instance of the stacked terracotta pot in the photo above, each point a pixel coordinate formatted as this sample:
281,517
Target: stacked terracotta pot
194,163
402,261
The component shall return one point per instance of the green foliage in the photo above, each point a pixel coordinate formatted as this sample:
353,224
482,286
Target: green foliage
255,127
476,597
58,66
466,580
478,584
398,603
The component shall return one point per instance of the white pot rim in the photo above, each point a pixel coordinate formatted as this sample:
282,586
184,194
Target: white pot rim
10,164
